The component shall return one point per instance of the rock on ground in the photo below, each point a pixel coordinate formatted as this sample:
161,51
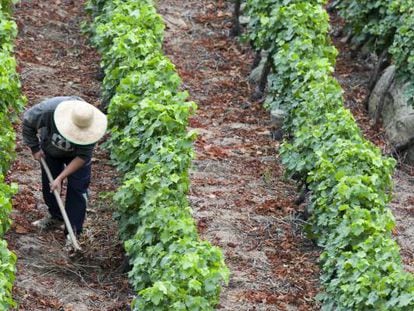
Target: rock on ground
389,103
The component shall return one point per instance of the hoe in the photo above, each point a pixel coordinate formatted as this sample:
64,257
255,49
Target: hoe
61,207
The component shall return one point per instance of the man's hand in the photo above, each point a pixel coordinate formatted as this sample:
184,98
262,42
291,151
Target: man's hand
56,185
38,155
72,167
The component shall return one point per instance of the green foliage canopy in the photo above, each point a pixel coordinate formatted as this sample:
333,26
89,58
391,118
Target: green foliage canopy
148,117
349,179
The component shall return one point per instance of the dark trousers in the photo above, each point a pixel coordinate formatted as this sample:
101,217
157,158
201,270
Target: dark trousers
76,195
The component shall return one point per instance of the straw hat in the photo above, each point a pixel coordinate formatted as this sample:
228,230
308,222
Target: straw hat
80,122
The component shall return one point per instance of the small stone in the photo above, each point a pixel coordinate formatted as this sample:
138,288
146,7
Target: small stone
244,20
277,117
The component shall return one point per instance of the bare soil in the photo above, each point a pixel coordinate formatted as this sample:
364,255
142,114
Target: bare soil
240,199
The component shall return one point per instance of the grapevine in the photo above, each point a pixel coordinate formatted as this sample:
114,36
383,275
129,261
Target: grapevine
11,103
350,181
172,269
385,27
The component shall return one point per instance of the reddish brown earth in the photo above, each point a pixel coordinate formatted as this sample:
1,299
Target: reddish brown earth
240,199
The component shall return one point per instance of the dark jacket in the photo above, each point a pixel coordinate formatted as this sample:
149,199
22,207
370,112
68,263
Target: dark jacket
40,118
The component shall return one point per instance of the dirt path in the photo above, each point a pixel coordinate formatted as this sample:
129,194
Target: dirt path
55,60
353,73
240,200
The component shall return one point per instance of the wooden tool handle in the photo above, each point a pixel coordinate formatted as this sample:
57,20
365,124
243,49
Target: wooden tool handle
61,207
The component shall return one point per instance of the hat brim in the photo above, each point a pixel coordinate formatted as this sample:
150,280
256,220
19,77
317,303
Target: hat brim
77,135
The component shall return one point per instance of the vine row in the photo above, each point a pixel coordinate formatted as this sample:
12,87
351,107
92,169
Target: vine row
172,269
349,180
11,103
